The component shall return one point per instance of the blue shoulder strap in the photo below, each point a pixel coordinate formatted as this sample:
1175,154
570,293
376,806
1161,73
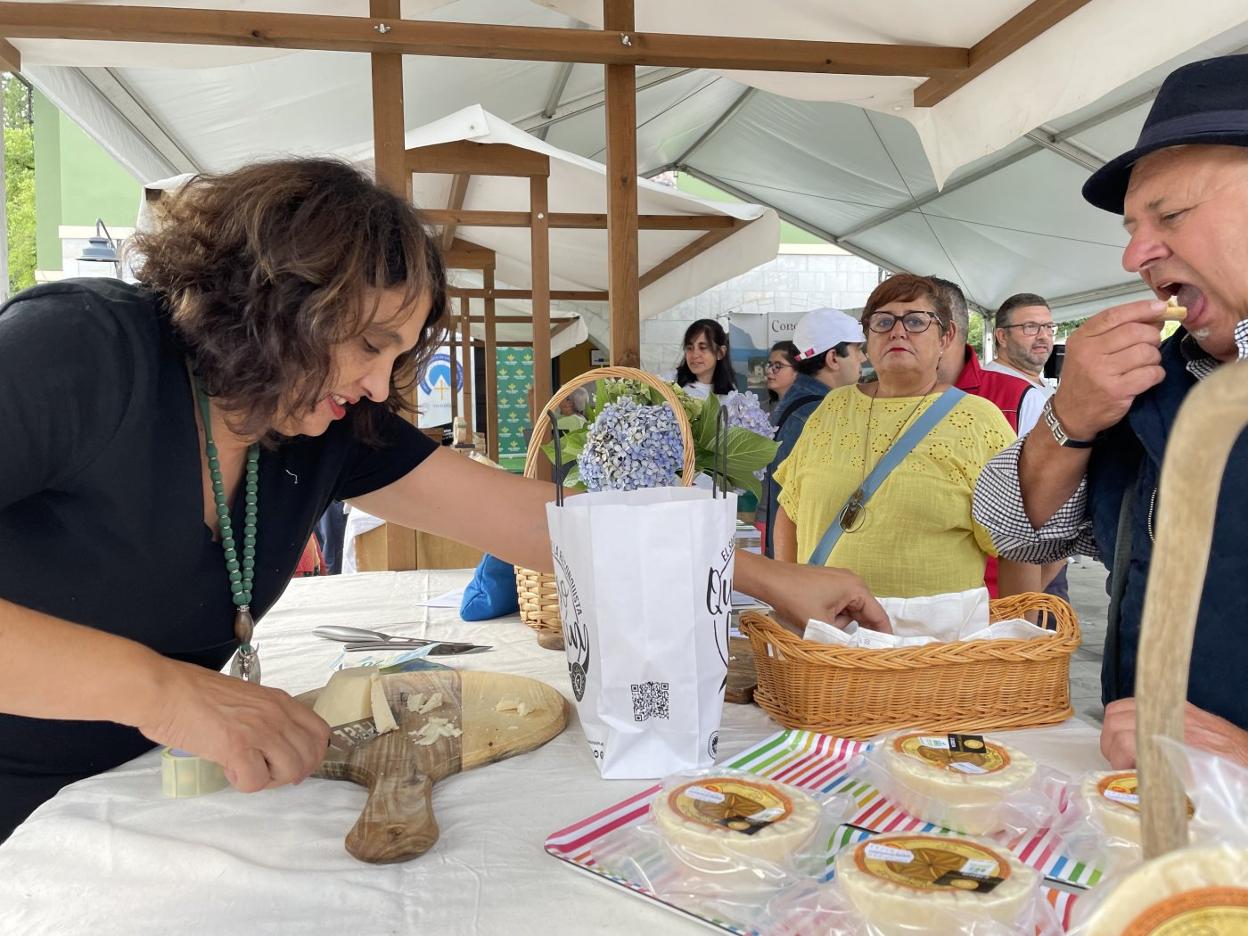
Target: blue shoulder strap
892,458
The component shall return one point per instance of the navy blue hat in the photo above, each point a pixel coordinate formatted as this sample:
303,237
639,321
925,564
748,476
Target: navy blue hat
1205,102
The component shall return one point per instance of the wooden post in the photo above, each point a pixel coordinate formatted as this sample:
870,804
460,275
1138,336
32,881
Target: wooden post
389,147
465,325
451,328
540,262
491,366
389,160
621,108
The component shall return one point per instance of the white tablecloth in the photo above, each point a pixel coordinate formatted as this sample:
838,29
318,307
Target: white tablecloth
112,855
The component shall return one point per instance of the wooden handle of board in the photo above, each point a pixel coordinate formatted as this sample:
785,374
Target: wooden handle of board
397,822
1208,424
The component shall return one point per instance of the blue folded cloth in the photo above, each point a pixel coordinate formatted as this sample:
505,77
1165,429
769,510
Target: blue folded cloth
492,591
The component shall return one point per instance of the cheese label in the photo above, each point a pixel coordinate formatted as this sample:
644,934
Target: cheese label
730,803
1208,911
1123,788
936,864
967,754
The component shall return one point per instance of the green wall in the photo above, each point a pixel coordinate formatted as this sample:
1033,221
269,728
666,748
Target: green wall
76,181
788,233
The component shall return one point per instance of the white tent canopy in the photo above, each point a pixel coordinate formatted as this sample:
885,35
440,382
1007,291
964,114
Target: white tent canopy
846,158
578,257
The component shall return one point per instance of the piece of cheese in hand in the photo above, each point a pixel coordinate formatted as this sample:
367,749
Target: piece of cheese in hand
734,818
1190,890
964,789
910,884
1174,311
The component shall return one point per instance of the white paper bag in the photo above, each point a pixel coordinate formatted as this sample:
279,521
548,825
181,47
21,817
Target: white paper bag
645,586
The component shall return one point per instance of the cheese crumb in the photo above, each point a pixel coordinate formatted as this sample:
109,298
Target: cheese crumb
415,702
435,701
436,728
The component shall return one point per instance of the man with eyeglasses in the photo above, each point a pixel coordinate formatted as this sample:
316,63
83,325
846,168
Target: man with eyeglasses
1024,331
1086,480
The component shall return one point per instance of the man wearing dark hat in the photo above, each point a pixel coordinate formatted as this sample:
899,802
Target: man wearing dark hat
1085,480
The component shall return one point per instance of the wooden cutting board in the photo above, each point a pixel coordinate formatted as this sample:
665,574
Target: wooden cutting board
397,822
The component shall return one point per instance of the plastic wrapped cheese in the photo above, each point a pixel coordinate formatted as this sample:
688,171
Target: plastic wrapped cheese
728,817
960,781
1112,800
910,884
1189,891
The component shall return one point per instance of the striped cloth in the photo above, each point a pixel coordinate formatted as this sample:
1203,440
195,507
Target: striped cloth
823,765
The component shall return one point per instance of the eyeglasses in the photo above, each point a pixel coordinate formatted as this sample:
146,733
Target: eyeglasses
773,366
915,322
1031,329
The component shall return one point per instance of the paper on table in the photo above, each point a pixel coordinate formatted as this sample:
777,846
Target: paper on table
451,599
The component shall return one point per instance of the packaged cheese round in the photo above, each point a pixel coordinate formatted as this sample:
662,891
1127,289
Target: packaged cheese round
723,818
1189,891
960,781
1112,801
905,883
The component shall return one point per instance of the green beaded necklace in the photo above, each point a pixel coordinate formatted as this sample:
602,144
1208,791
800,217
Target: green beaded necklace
246,663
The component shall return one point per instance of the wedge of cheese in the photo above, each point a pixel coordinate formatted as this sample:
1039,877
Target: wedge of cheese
354,694
907,884
1189,891
732,818
958,781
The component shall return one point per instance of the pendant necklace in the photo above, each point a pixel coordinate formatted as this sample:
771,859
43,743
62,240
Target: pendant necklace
856,507
239,567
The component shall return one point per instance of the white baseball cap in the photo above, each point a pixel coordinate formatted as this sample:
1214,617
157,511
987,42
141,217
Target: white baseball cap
822,329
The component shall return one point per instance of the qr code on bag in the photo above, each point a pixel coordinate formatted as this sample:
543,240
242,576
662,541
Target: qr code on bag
650,700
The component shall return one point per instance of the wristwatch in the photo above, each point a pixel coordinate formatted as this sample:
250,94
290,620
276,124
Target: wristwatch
1059,432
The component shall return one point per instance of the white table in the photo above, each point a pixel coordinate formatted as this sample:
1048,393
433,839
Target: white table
111,855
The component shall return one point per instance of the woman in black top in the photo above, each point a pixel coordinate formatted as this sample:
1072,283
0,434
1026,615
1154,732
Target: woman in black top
293,301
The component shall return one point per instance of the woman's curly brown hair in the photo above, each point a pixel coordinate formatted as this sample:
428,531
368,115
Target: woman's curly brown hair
267,268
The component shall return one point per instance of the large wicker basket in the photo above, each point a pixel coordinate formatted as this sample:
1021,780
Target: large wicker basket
965,686
539,599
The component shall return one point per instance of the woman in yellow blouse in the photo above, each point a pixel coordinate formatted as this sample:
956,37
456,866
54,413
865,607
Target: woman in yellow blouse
915,536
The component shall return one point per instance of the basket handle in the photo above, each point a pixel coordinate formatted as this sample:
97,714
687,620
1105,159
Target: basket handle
614,373
1208,424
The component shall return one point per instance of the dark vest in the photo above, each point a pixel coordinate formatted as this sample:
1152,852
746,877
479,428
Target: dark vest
1127,460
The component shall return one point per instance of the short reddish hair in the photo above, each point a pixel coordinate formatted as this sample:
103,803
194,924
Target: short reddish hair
906,287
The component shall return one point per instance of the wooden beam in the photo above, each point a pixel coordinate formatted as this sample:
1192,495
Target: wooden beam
10,57
388,126
513,319
682,256
564,295
464,255
576,220
469,377
491,367
459,191
539,263
465,156
469,40
1002,42
621,108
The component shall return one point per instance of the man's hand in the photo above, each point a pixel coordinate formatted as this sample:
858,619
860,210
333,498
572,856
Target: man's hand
261,737
801,592
1110,360
1201,730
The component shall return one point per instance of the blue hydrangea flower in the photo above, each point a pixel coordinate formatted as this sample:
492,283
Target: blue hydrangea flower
631,446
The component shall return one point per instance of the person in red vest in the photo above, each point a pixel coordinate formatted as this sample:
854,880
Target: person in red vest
1006,391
